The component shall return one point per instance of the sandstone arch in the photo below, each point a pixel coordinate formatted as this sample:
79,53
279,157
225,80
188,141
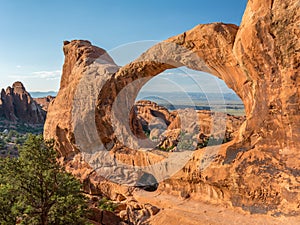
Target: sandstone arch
205,48
259,65
259,60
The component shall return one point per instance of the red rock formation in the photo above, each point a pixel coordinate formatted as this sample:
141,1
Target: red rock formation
44,102
146,113
78,56
259,171
18,106
143,114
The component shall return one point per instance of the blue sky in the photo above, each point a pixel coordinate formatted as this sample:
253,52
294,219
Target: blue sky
32,31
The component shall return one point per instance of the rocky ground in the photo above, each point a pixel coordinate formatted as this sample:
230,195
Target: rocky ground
174,210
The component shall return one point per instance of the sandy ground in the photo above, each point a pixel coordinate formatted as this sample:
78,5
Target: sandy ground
189,212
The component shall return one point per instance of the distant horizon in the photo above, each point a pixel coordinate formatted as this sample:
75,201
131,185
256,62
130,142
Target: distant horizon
147,91
180,79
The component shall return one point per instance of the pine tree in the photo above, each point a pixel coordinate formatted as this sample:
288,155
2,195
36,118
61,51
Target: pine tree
8,196
39,189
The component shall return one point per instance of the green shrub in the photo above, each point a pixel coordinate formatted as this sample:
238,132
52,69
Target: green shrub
106,204
166,149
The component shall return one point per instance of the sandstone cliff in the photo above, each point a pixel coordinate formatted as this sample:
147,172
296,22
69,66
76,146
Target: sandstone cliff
258,171
17,105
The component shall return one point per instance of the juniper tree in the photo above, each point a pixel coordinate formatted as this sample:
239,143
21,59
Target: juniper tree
38,189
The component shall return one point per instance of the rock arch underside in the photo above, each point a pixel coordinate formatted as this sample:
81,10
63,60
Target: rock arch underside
260,169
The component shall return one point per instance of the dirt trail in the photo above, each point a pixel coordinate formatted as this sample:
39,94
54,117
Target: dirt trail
189,212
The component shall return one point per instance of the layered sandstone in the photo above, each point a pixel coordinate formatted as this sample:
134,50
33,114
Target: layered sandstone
258,171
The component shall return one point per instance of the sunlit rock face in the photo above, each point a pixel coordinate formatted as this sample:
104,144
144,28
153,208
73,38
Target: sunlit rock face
259,170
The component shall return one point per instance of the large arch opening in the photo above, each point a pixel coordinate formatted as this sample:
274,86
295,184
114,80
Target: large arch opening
165,101
127,137
120,91
186,88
